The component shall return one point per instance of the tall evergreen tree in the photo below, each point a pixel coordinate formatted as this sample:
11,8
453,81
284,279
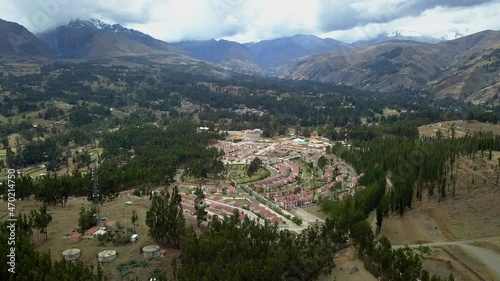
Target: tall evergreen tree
200,206
165,218
134,219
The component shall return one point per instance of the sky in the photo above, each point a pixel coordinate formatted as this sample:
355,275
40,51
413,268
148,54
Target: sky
254,20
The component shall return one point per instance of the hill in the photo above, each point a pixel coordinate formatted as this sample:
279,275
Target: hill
96,39
217,50
283,50
474,74
443,68
267,54
16,40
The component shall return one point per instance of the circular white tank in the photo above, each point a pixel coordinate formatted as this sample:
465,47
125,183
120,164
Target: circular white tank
72,254
106,256
151,251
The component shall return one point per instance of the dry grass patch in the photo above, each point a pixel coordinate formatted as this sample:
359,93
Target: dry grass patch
66,218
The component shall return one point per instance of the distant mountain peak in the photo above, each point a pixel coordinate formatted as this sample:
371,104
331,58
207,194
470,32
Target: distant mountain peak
452,34
94,37
305,36
98,24
398,35
406,35
80,23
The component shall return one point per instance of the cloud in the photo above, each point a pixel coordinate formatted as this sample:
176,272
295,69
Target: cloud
437,22
251,20
347,14
40,15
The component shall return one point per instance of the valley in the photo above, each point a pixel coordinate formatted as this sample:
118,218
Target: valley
293,157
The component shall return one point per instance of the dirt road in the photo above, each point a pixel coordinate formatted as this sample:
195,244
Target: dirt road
458,242
489,258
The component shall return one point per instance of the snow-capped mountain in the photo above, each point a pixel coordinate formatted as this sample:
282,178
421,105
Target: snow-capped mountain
452,34
72,40
93,37
398,35
414,35
116,28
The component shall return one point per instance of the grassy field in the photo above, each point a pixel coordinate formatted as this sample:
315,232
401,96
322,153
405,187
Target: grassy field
315,210
391,112
13,138
461,128
66,218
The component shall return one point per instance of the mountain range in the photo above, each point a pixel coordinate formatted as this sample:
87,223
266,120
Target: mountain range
16,40
466,67
96,39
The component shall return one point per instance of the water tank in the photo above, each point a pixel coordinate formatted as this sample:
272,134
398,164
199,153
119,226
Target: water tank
106,256
71,254
151,251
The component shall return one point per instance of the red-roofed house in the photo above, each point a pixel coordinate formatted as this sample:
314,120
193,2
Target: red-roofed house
305,197
188,209
76,237
92,230
277,220
111,224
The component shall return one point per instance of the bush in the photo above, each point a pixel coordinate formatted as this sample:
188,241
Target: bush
297,220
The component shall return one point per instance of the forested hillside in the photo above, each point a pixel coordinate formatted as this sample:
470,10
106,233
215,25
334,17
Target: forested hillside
140,126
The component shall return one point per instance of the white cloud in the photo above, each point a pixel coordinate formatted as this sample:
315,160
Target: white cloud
251,20
436,22
372,10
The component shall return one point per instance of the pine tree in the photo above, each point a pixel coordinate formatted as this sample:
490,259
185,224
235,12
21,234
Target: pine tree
165,218
200,206
45,219
380,216
134,219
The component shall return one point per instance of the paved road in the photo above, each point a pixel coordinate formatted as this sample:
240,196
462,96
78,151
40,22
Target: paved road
266,149
292,155
352,171
246,195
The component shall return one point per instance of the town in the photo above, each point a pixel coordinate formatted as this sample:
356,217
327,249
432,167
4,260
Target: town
295,180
